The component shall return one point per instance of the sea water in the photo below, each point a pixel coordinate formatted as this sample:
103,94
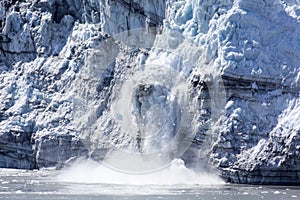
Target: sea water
75,183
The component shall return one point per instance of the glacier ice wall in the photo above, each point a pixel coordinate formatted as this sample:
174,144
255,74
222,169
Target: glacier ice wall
240,60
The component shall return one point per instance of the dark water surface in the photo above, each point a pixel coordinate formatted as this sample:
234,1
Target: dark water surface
20,184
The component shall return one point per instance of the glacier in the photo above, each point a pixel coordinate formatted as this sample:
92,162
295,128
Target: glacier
213,82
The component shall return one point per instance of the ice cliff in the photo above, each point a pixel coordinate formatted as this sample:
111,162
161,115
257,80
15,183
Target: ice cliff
74,82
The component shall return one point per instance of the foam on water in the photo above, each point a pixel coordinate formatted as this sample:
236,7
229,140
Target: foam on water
87,171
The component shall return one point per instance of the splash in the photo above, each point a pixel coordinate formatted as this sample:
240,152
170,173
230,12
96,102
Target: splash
88,171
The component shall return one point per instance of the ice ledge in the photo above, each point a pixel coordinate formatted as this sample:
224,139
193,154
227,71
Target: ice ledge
261,176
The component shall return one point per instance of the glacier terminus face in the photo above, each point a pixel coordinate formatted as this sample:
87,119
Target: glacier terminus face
212,83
